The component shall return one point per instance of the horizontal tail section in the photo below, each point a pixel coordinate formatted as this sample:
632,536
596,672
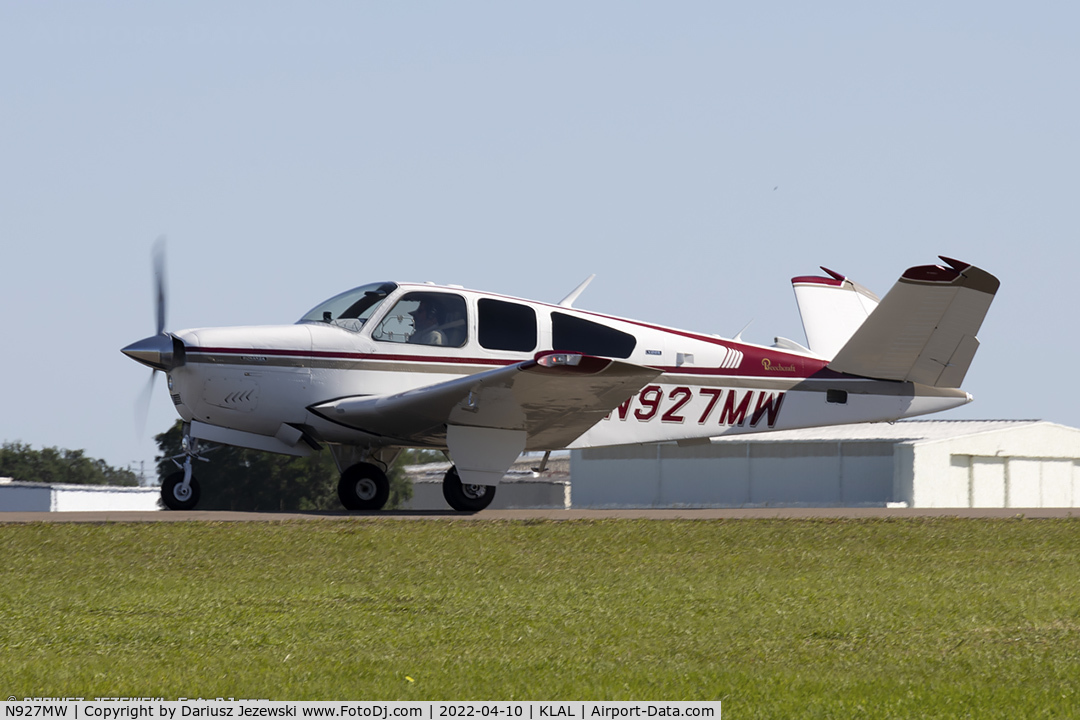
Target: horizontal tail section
832,309
924,329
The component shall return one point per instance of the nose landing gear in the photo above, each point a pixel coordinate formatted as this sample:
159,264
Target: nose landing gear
180,490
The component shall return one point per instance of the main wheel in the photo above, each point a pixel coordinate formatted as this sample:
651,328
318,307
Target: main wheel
175,496
363,486
466,498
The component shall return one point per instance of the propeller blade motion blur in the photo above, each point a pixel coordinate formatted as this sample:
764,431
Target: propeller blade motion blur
159,282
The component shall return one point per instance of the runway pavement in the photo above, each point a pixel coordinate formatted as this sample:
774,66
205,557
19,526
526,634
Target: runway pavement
518,515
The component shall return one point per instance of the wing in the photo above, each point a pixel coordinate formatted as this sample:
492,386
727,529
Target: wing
924,329
553,399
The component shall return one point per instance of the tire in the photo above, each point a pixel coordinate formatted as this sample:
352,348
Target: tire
363,486
172,495
465,498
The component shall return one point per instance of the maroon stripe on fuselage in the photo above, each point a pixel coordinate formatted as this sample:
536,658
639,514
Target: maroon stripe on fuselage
757,362
325,355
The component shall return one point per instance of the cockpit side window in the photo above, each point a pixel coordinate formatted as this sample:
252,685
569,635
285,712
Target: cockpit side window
425,318
351,309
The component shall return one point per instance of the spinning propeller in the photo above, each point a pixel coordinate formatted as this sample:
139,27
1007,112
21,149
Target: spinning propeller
161,351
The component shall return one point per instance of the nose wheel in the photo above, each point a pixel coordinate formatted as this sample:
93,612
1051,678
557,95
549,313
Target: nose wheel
178,495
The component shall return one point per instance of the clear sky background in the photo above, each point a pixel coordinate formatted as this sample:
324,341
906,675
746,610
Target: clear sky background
695,155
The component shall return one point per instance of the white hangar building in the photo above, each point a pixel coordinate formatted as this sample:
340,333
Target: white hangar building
921,463
18,496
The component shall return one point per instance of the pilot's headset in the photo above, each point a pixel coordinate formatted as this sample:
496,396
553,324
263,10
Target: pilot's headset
435,306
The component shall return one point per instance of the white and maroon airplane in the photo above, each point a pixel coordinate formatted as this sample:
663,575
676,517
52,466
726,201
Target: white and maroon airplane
485,377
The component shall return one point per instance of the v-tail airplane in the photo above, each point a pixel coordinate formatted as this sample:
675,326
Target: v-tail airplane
485,377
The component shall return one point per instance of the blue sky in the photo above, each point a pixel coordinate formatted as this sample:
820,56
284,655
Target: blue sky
695,155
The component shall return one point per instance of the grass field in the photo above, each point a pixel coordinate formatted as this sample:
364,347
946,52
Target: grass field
776,618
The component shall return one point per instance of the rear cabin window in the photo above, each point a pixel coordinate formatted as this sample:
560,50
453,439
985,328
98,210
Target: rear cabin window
506,326
574,333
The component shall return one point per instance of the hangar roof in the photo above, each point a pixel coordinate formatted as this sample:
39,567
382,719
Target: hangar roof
901,431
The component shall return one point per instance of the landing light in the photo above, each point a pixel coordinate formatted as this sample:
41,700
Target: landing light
559,359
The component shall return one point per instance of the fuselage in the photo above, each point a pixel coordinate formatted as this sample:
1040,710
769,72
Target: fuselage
377,340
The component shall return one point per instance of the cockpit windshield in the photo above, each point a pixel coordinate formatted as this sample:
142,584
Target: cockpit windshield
350,309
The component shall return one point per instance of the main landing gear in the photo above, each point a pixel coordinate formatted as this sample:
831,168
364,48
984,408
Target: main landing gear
465,498
365,487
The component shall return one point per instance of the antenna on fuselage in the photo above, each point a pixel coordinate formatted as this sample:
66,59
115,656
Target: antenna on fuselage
568,301
738,335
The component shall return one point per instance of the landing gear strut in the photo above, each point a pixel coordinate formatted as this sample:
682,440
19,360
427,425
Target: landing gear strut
180,491
465,498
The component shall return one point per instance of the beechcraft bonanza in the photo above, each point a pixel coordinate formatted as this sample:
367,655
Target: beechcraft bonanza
485,377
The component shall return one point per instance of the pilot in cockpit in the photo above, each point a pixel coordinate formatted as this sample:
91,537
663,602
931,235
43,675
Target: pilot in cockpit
427,319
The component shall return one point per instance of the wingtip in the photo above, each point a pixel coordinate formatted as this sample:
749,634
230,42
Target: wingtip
957,265
835,279
974,277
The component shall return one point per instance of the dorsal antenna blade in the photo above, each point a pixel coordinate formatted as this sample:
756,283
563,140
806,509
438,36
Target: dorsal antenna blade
738,336
568,301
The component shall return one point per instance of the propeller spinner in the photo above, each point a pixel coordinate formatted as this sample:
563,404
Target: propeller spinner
160,352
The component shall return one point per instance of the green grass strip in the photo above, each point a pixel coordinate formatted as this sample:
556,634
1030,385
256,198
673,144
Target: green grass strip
776,618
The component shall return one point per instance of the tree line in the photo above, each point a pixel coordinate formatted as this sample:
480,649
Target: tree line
233,479
19,461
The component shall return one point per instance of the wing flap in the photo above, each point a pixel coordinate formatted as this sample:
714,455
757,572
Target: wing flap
924,329
552,403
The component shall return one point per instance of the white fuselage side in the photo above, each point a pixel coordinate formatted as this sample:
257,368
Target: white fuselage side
263,380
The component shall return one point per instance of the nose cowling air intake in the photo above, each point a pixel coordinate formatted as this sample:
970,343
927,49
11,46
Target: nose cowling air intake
160,352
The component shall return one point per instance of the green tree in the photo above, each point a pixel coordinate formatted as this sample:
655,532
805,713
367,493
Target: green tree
54,465
255,481
401,489
420,456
